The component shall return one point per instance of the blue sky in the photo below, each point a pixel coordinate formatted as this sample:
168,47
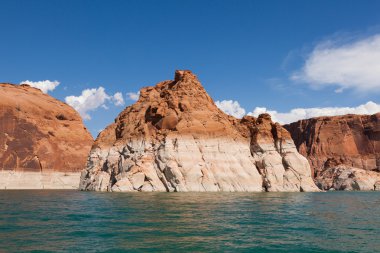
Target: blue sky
279,55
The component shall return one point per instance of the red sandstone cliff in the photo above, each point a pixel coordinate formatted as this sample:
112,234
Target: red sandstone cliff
39,133
334,143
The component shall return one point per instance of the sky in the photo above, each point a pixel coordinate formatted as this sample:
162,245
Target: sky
293,59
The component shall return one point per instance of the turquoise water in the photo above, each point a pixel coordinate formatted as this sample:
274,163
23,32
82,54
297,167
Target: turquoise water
72,221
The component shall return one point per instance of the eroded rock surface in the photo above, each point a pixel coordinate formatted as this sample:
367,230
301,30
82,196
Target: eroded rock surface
174,138
349,179
39,134
333,144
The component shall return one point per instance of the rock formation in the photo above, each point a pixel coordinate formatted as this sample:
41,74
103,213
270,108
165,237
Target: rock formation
348,178
332,144
174,138
43,143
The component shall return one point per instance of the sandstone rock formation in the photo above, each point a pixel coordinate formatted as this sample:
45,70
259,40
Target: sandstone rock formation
43,143
174,138
349,179
331,142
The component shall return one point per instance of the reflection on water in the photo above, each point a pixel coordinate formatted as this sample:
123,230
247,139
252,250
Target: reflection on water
213,222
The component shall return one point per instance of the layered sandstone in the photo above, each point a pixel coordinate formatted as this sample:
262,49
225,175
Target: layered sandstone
43,142
348,141
174,138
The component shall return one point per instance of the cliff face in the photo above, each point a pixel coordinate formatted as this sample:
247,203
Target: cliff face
39,134
349,141
174,138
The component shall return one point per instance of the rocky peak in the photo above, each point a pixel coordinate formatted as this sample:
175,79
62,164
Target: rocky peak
174,138
185,75
180,105
264,118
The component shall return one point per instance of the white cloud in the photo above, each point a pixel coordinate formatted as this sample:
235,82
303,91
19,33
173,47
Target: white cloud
231,107
118,99
92,99
133,95
354,65
44,86
305,113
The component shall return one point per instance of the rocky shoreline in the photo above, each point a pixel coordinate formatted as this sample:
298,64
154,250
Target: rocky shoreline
174,138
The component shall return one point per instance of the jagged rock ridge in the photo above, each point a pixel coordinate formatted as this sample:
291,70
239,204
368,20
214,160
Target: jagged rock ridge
39,134
174,138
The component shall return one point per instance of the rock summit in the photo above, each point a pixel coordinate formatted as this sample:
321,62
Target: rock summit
174,138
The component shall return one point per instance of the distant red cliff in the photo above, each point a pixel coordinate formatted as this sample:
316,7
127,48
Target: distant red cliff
351,141
39,133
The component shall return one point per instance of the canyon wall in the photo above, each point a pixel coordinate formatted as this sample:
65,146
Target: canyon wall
338,143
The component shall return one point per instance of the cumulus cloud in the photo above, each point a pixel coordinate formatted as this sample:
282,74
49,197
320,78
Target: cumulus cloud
44,86
305,113
354,65
133,95
231,107
118,99
92,99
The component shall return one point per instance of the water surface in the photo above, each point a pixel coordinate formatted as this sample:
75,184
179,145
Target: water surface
73,221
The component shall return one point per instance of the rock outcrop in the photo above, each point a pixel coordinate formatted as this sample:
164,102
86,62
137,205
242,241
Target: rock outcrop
332,144
174,138
348,179
43,142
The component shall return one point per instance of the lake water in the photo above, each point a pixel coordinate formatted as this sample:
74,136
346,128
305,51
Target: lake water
72,221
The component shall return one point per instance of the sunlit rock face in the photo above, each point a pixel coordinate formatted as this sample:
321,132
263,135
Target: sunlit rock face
333,144
174,138
43,142
346,178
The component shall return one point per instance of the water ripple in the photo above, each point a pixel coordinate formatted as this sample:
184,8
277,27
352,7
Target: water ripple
71,221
